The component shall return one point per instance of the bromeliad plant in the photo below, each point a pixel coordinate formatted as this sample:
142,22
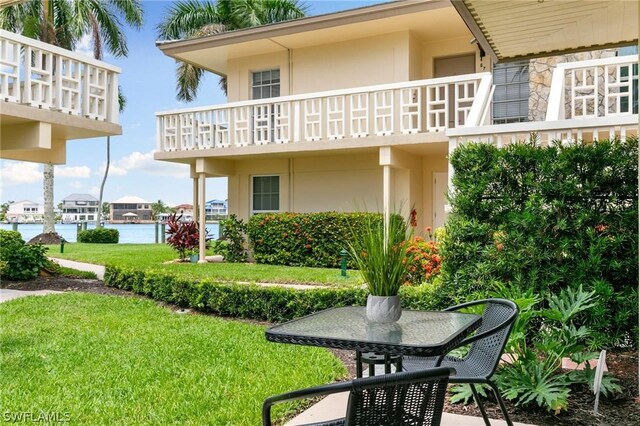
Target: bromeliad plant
381,256
184,237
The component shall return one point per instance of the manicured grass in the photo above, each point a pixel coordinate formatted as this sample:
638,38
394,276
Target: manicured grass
116,360
145,256
70,272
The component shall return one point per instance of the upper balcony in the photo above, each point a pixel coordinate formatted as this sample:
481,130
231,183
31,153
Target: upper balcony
50,95
588,100
399,113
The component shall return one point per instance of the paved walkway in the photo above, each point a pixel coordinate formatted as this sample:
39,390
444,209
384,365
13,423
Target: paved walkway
335,406
6,294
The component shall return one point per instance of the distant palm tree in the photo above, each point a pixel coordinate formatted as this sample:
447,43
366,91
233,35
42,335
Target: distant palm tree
63,23
192,18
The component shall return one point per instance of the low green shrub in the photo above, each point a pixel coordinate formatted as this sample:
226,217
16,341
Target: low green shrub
20,261
99,236
251,301
305,239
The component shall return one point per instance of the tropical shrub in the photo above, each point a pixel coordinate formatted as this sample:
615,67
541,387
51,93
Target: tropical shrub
548,218
20,261
540,339
99,236
305,239
424,259
233,235
183,237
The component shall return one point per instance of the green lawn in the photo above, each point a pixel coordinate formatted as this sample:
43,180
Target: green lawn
147,256
116,360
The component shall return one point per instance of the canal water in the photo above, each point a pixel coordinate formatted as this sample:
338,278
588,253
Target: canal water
129,233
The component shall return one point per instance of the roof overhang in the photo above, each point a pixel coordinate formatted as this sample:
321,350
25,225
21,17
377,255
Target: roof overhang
426,19
512,30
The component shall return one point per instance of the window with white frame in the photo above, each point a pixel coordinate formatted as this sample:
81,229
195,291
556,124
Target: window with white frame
265,84
266,193
511,95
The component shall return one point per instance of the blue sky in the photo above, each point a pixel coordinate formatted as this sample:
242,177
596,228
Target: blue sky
148,83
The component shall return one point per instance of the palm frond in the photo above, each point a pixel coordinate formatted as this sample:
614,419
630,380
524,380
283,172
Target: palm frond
186,17
188,77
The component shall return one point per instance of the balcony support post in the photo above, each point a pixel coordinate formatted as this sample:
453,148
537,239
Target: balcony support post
195,197
202,217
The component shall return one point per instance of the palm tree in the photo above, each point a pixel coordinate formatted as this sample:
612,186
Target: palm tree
192,18
63,23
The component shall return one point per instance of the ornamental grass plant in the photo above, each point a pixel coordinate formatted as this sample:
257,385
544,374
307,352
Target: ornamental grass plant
381,256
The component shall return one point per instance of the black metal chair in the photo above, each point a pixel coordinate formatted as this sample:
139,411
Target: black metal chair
408,398
487,346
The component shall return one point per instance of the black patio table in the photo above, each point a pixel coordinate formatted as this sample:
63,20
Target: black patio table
422,333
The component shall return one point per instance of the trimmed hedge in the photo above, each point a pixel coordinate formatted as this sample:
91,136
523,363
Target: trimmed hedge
99,236
304,239
251,301
548,218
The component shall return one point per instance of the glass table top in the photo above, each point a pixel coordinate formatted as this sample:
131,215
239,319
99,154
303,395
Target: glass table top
341,327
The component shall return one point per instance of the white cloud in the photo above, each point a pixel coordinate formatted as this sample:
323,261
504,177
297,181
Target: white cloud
76,184
94,190
73,171
19,173
84,46
138,161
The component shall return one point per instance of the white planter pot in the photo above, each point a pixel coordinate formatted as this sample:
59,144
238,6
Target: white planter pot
383,309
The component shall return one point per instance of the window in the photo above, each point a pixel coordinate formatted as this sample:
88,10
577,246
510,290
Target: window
511,96
624,101
265,84
266,193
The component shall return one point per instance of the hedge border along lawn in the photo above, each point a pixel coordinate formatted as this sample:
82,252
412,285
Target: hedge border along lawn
105,360
252,301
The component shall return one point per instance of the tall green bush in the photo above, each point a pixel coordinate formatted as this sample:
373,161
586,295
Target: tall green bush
548,218
305,239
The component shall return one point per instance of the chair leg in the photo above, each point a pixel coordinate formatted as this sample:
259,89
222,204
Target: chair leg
503,407
479,403
358,364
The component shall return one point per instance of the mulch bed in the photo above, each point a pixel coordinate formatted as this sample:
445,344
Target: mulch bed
622,410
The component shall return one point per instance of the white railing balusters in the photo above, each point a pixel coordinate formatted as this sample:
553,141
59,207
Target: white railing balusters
48,77
385,110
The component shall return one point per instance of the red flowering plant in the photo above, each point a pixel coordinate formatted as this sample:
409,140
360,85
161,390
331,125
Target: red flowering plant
184,237
425,259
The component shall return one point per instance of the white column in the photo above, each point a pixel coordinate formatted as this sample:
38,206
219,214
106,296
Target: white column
453,144
195,199
202,217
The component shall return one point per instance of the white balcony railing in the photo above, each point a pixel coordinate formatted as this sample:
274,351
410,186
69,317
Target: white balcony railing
589,100
606,87
432,105
49,77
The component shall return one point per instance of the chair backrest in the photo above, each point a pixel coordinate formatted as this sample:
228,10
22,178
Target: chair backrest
487,345
411,398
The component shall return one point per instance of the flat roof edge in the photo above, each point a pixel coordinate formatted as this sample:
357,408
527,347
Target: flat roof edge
310,23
